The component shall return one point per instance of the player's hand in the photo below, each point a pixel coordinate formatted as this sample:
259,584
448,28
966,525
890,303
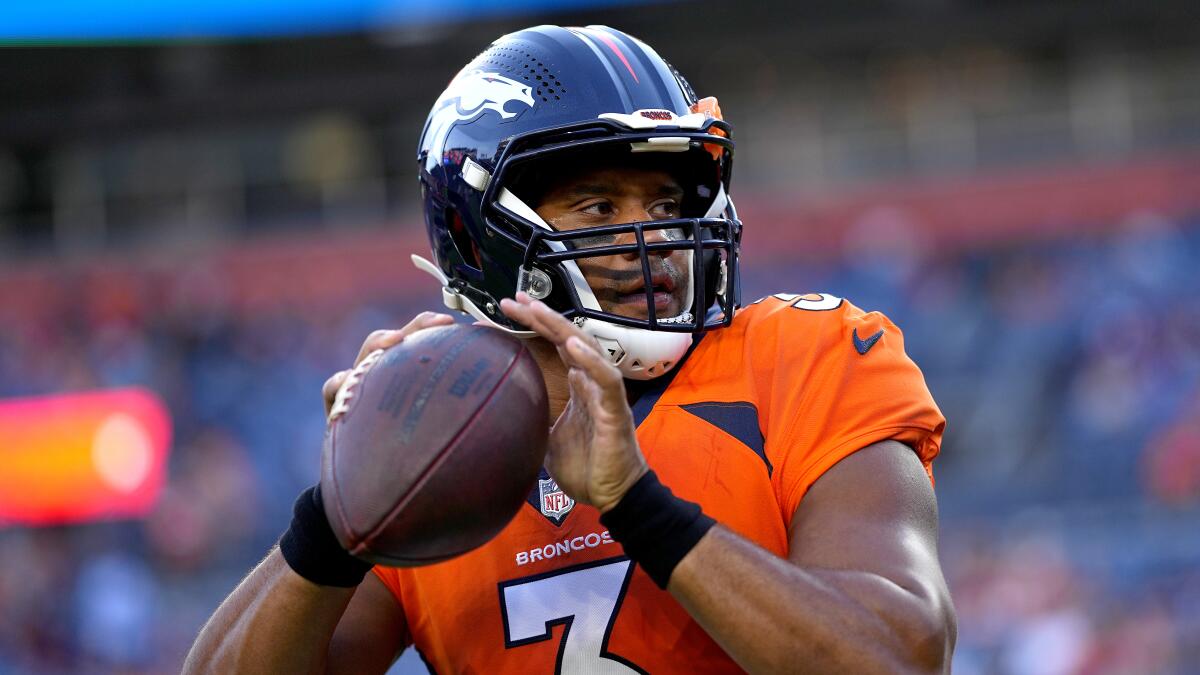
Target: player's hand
380,339
593,454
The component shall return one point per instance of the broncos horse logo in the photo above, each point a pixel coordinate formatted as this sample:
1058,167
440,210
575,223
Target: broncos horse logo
469,96
476,92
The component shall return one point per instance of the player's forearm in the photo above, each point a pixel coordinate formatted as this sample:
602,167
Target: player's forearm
773,616
275,621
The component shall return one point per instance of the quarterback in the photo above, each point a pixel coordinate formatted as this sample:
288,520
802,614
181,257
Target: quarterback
727,487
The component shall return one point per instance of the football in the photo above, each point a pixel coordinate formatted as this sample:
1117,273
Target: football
433,445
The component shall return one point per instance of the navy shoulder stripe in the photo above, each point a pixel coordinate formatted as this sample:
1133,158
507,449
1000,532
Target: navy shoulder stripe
738,419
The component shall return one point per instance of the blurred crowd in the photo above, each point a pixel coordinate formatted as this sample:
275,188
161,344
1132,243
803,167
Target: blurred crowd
1069,481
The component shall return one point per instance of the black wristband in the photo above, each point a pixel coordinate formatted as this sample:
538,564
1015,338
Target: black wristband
312,550
656,528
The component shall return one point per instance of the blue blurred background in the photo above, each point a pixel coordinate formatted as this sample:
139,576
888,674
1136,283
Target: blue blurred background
219,205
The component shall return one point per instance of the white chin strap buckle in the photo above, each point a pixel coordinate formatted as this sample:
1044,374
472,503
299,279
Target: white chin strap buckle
458,302
639,354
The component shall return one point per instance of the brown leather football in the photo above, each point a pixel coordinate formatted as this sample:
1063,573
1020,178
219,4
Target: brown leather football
433,445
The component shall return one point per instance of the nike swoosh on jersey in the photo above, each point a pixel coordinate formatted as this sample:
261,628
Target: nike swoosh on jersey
864,346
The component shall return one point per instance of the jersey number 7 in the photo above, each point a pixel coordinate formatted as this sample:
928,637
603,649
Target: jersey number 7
584,599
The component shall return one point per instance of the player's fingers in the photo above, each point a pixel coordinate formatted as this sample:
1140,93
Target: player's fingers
519,312
426,320
595,364
551,325
382,339
585,393
594,399
567,357
540,318
378,339
330,388
564,355
556,325
575,382
601,371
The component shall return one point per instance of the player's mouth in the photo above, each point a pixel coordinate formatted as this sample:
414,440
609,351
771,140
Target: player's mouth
662,291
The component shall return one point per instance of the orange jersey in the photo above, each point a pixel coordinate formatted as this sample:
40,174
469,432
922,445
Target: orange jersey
744,426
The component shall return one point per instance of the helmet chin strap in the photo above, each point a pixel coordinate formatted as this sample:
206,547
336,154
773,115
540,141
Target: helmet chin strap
638,353
458,302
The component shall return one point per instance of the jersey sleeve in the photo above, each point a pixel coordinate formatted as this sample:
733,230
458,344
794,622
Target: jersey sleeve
391,580
837,380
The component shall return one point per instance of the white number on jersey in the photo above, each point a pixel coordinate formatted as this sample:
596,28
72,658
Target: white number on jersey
823,302
584,599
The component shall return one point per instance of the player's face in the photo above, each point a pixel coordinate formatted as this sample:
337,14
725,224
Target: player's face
614,197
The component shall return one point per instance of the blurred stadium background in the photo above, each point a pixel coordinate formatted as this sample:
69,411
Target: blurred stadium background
204,209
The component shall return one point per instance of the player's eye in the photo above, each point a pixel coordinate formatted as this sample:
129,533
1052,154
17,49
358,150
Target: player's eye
665,208
597,208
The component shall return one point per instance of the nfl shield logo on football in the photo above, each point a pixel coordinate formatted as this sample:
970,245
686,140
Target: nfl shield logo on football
555,502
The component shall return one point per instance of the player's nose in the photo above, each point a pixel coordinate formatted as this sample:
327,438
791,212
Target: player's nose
650,236
640,214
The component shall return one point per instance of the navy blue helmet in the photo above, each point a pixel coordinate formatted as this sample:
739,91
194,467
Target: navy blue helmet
532,105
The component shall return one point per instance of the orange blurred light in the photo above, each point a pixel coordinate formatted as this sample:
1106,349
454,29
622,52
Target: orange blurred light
81,457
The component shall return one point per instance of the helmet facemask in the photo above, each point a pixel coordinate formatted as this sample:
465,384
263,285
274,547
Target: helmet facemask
643,313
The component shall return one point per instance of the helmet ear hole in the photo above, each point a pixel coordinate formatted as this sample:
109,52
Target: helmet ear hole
467,249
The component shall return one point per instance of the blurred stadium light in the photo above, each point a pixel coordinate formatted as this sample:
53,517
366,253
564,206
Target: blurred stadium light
81,457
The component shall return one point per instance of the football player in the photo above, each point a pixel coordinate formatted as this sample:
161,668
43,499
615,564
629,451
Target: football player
725,488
